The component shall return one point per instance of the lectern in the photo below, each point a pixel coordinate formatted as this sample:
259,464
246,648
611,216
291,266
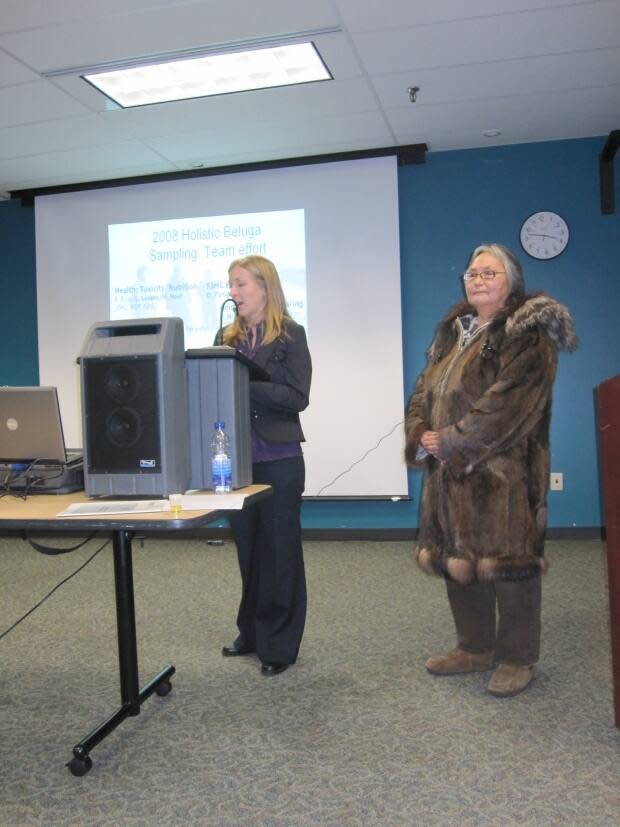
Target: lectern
219,391
609,429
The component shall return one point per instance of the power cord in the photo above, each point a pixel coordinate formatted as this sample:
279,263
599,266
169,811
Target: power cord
62,582
55,549
361,459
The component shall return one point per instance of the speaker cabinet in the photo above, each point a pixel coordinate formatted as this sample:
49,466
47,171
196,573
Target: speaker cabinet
135,412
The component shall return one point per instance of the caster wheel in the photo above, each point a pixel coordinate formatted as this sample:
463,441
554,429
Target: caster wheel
80,766
164,689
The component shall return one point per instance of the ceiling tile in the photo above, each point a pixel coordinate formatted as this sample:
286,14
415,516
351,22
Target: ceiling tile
361,17
522,76
32,102
12,71
487,39
535,69
159,30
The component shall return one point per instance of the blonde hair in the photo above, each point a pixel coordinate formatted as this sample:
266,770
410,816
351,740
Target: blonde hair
276,311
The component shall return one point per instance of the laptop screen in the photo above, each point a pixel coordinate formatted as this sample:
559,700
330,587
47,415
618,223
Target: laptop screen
30,425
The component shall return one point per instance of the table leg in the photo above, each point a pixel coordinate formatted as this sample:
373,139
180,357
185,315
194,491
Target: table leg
131,695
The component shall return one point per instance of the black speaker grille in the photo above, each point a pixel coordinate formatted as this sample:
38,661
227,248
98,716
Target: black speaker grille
122,415
122,383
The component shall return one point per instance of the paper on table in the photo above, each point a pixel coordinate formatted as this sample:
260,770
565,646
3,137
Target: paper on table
114,507
196,499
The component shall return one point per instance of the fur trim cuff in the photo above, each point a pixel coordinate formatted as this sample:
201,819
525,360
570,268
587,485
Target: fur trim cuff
459,569
510,568
464,571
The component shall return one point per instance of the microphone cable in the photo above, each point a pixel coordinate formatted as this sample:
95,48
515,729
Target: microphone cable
361,459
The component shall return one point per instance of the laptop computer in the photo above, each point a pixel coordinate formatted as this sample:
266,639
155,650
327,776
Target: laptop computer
31,427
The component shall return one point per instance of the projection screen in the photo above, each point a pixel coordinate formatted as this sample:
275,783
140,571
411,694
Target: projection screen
332,230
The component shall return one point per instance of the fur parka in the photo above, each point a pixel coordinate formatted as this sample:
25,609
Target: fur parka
488,394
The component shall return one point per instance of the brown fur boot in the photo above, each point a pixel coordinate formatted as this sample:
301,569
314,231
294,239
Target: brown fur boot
458,662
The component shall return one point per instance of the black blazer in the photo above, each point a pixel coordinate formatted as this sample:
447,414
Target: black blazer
275,405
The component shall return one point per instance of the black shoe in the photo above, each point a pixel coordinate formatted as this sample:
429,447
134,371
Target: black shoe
273,668
234,650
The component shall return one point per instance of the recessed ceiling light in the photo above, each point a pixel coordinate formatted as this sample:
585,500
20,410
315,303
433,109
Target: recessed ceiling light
492,133
211,74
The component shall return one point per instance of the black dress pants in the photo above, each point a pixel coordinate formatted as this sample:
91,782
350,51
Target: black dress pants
272,613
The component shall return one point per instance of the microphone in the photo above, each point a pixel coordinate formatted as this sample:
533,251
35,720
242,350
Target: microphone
220,332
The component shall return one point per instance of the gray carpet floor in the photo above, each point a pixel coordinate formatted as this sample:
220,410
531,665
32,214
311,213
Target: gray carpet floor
356,733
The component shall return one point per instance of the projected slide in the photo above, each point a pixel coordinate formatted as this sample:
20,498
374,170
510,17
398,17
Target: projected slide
164,247
180,267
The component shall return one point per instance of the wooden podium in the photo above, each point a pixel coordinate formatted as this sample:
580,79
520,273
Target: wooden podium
609,430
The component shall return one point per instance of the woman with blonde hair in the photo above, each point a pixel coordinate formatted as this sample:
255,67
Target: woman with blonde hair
272,611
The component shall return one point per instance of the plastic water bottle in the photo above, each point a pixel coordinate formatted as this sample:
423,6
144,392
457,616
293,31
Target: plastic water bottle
221,464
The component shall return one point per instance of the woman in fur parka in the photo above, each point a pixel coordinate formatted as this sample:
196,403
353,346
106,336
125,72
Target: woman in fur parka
478,422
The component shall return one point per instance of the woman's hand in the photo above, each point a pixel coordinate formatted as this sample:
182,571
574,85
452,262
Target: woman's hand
430,442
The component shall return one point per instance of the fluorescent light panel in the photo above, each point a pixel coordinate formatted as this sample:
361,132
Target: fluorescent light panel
211,74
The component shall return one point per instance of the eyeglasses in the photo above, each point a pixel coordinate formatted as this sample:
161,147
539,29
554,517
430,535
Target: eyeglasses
486,274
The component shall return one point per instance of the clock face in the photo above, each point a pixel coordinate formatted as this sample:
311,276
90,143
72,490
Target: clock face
544,235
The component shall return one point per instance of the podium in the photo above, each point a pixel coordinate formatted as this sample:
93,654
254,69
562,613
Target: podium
608,394
219,391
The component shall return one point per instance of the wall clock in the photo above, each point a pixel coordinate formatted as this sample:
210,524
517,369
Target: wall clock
544,235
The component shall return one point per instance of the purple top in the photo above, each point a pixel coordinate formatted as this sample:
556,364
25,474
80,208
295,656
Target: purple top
263,451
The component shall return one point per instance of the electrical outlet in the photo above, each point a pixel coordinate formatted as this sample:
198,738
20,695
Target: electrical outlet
556,481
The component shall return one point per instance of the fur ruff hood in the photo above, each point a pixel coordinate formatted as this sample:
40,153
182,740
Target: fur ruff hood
518,316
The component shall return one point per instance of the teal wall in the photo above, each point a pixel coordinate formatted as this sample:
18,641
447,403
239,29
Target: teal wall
447,206
460,198
19,363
